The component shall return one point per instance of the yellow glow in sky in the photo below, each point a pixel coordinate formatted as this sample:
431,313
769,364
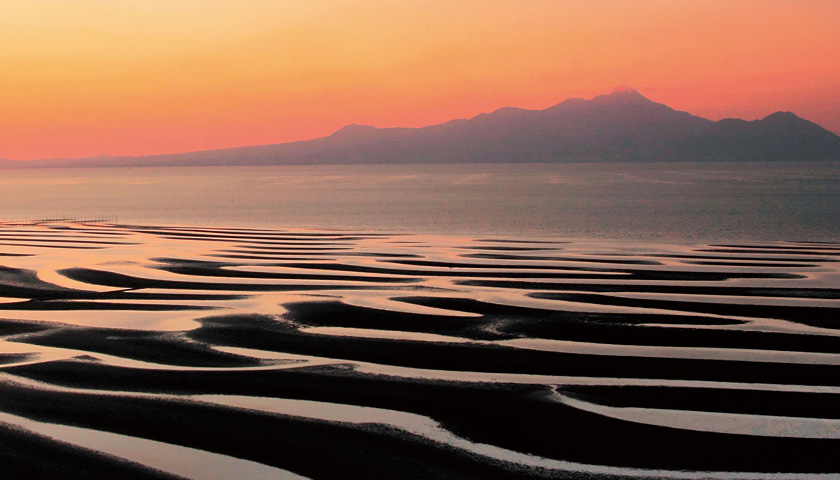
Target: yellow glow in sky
90,77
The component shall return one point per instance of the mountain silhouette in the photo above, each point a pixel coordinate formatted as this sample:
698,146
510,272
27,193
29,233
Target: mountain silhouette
620,127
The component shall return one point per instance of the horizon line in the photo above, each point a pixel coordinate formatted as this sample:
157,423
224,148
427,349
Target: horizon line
620,90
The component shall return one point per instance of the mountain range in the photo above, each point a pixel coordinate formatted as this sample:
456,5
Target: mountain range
619,127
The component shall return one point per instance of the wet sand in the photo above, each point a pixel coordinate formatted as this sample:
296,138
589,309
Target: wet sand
138,351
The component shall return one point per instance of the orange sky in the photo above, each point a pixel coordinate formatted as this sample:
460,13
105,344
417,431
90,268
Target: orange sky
90,77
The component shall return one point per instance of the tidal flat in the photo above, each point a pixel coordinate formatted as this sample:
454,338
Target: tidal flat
153,351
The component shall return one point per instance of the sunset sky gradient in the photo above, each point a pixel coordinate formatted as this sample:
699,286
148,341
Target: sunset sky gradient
90,77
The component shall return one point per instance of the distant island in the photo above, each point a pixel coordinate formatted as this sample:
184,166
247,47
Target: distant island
623,126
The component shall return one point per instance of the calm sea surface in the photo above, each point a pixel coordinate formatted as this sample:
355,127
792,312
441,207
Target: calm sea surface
609,339
667,202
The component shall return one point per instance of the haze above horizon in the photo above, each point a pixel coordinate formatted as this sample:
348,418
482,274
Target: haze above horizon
91,77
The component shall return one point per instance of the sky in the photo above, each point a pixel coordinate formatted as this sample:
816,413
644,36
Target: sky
133,77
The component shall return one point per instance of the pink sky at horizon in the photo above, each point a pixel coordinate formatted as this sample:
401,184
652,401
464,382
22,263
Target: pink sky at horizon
90,77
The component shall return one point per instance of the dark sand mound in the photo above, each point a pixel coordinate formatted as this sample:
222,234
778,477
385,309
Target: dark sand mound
369,355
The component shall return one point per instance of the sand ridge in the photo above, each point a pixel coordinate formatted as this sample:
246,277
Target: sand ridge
522,359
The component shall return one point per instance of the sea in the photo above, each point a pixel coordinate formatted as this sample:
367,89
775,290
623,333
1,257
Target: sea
671,202
598,321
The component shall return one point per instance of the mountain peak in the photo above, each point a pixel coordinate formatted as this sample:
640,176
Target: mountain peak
619,126
622,95
781,116
625,90
354,129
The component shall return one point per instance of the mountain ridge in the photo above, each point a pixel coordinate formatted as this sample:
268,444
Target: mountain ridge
617,127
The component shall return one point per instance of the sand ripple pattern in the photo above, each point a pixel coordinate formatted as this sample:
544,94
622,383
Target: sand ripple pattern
138,351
